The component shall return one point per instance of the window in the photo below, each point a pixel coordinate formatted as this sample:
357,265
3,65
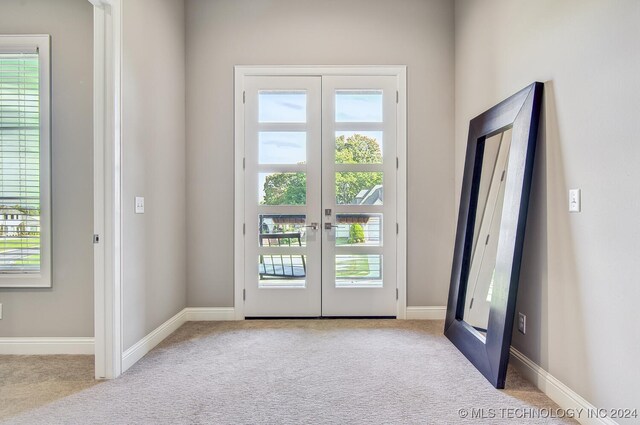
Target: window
25,201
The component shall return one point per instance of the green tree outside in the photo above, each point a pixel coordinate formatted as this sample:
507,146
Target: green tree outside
291,188
285,189
356,233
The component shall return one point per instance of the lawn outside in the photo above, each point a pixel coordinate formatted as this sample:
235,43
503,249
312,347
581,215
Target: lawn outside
352,268
16,247
8,243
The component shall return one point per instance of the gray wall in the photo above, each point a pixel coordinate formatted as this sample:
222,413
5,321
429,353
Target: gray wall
154,284
579,283
65,309
224,33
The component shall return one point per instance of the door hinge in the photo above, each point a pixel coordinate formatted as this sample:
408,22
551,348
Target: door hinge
96,238
397,228
502,177
244,163
487,241
244,97
397,292
397,96
244,295
244,228
397,163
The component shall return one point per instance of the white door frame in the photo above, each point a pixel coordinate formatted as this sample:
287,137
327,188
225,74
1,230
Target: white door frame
400,72
107,61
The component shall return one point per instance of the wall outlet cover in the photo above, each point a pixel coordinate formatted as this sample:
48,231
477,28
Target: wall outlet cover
522,323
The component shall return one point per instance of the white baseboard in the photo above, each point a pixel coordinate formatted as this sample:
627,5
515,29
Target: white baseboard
146,344
564,396
207,314
189,314
426,313
46,345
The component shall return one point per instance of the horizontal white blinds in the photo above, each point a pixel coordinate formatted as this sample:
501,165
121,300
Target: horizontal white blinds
19,163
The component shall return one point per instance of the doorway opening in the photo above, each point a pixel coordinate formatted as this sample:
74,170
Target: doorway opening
320,192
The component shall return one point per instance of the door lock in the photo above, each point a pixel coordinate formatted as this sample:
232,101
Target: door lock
328,226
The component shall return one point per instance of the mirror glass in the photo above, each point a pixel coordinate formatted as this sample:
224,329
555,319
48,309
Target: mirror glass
490,197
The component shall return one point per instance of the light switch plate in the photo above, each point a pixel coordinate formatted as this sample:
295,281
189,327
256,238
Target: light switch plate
139,205
575,204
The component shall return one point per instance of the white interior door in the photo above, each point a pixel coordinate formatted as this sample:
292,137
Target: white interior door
282,196
359,196
320,196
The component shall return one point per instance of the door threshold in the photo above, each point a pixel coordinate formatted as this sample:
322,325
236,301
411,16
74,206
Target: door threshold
320,317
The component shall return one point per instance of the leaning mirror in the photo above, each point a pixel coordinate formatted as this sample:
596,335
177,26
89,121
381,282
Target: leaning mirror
490,234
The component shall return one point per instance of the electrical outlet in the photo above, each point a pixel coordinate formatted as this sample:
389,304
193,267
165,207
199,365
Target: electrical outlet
522,323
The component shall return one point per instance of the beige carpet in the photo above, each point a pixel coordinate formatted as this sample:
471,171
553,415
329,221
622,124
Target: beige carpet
277,372
27,382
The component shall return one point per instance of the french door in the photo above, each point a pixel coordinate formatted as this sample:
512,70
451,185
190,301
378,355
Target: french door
282,203
320,171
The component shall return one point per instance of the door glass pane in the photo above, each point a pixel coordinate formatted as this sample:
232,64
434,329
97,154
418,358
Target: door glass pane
282,270
358,270
359,230
358,105
280,230
358,147
278,106
282,188
282,147
359,188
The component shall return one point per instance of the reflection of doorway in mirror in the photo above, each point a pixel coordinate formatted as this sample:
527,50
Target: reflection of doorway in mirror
487,229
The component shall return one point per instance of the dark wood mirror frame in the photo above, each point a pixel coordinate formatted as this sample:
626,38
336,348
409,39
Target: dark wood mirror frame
521,113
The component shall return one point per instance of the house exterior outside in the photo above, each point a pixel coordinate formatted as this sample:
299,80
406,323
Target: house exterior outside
16,222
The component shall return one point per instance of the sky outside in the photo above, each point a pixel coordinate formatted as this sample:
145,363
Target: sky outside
280,147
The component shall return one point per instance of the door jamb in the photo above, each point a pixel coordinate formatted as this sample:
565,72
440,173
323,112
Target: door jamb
107,62
400,72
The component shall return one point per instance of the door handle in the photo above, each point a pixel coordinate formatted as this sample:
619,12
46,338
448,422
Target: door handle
328,226
314,226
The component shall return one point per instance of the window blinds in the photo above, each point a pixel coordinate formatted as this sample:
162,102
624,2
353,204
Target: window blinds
19,163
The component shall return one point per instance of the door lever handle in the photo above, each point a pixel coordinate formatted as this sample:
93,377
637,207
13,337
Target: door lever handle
314,226
328,226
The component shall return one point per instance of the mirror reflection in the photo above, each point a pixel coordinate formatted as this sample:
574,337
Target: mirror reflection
484,248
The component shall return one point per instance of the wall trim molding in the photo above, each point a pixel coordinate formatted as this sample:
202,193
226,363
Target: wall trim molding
107,179
557,391
208,314
155,337
426,313
46,345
